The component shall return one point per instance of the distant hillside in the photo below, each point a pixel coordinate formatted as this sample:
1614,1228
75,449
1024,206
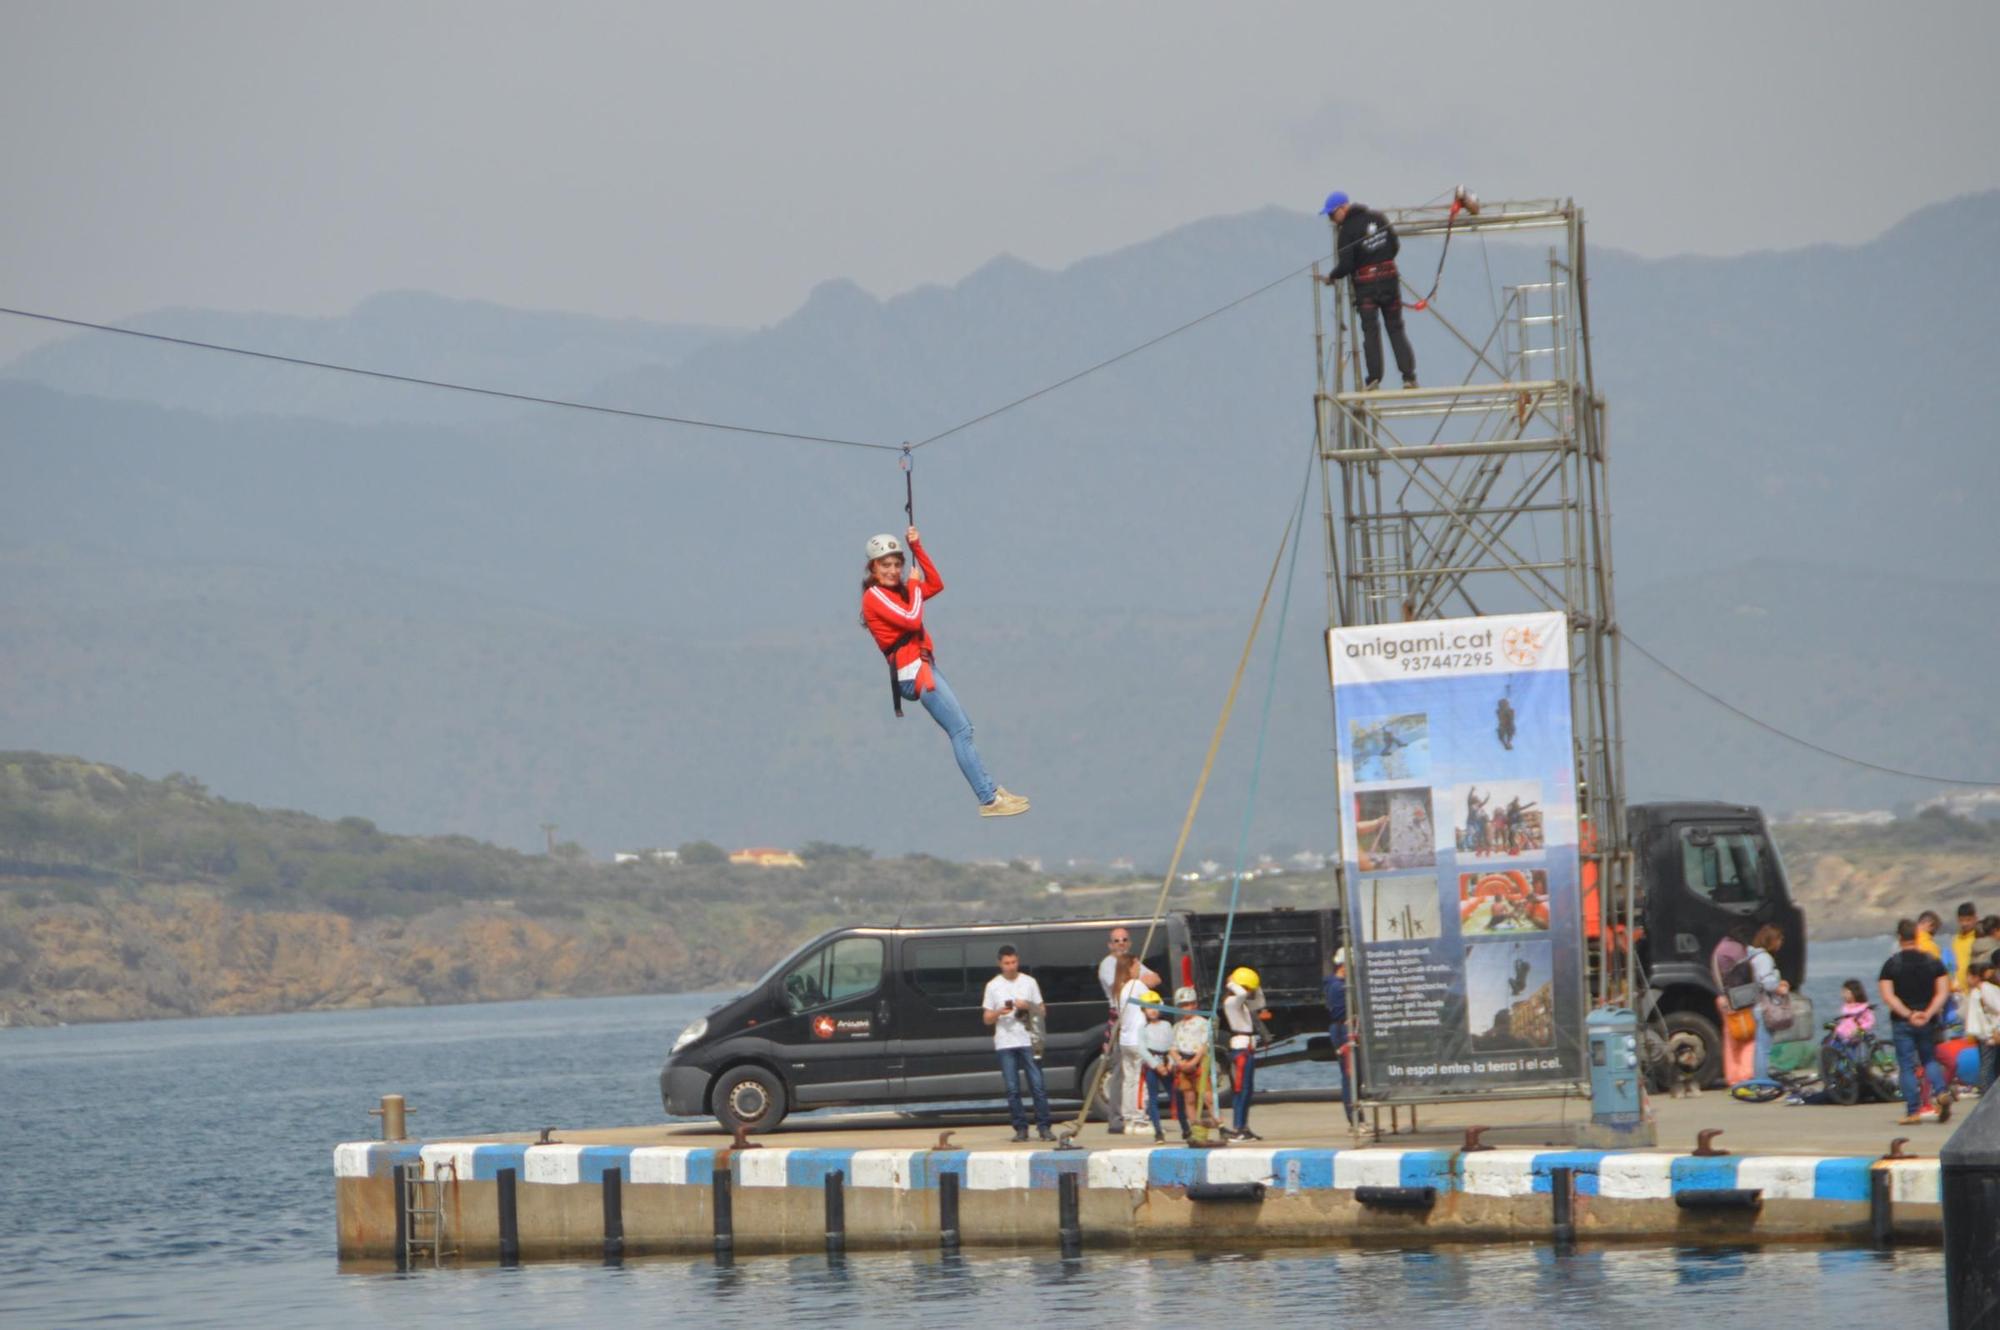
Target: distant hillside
634,630
123,898
403,332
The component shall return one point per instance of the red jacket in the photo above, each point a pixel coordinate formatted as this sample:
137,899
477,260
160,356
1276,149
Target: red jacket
893,615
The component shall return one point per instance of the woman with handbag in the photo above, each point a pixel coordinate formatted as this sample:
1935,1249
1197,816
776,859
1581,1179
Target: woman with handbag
1774,996
1735,1008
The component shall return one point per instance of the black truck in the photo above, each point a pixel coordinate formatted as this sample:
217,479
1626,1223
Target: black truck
1704,871
891,1015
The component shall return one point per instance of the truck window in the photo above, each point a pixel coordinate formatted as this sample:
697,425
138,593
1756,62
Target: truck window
849,967
1726,867
937,969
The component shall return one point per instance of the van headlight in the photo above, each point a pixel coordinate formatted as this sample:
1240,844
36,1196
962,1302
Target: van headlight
692,1033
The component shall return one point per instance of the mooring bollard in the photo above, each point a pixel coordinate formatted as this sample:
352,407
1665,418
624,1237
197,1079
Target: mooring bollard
399,1190
393,1111
1562,1189
725,1219
510,1219
836,1213
1969,1183
948,1211
1881,1209
614,1217
1070,1228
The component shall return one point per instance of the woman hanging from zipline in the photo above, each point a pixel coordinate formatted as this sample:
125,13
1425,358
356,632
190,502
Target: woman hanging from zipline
892,609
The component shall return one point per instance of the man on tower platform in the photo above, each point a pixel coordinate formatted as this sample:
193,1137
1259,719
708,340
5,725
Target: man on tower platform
1365,254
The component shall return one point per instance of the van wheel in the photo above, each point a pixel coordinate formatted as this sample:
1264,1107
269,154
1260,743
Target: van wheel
1091,1071
750,1097
1692,1048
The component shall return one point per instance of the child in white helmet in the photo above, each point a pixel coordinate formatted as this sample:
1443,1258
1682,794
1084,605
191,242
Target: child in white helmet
1189,1062
892,610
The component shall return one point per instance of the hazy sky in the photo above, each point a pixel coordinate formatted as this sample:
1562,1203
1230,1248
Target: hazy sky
712,162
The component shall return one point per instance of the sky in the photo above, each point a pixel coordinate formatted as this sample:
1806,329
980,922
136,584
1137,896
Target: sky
712,163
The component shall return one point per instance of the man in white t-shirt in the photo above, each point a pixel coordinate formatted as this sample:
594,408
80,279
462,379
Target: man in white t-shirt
1121,1097
1013,1000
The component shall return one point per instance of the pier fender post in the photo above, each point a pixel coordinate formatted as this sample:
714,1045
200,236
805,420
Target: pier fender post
614,1217
948,1211
510,1218
1562,1194
1969,1188
399,1189
724,1211
836,1213
1881,1209
1070,1227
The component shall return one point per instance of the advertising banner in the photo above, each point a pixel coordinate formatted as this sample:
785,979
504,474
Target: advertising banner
1458,823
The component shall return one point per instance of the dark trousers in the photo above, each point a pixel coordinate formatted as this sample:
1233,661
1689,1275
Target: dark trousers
1380,303
1244,1061
1156,1085
1017,1064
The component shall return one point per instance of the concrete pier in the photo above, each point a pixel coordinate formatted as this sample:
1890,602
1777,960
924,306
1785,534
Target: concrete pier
1792,1175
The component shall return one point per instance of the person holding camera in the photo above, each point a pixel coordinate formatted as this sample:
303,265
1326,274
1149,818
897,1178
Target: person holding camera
1013,1002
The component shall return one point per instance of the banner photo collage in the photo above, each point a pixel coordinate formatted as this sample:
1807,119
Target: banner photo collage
1459,824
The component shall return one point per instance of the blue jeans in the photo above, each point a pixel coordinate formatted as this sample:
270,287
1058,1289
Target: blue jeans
1016,1063
1760,1066
943,705
1245,1061
1916,1044
1342,1061
1157,1085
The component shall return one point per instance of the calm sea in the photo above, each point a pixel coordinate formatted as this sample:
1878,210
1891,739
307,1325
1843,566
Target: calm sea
179,1173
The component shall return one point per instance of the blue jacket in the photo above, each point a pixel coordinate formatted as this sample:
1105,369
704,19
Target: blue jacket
1336,999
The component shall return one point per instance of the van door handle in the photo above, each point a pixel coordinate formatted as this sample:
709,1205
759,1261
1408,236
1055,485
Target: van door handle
882,1014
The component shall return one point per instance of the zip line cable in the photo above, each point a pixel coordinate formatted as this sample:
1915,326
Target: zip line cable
1126,354
453,387
1789,737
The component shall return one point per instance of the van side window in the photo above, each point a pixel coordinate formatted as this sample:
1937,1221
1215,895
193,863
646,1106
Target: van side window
1726,867
937,970
848,968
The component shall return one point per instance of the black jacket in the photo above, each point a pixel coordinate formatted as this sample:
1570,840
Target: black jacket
1365,237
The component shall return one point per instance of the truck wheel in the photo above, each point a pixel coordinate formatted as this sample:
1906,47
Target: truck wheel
1693,1049
750,1097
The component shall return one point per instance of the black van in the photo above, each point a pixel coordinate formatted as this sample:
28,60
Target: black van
887,1016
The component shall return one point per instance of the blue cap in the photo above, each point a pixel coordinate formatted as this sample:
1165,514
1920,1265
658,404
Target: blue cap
1334,200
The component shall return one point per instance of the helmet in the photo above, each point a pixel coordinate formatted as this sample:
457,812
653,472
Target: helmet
1245,978
1150,998
882,546
1184,996
1340,956
1334,200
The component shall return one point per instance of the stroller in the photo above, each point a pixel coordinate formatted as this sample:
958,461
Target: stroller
1863,1067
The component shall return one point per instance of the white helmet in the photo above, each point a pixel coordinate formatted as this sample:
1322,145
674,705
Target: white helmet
882,546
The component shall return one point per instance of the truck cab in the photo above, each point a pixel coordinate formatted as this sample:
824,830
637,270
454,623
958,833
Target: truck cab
1705,872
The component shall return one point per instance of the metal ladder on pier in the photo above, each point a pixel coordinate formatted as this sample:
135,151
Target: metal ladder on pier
424,1232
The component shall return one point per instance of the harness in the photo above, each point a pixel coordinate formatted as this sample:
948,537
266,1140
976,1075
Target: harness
927,656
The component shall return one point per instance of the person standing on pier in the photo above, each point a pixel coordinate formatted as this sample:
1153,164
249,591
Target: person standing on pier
1336,1013
1365,254
1242,1006
1115,1089
1914,987
1013,1000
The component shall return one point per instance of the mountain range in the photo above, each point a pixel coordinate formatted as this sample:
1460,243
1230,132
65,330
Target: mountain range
443,615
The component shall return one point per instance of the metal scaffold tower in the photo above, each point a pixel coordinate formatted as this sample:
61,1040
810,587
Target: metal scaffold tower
1489,495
